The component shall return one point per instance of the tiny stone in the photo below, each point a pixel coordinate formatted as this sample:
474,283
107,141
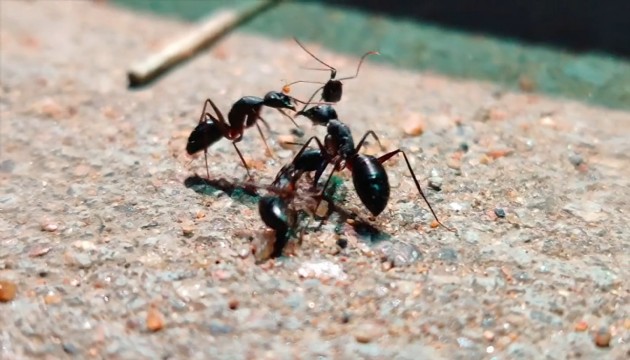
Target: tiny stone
233,304
414,126
366,333
7,166
345,318
463,147
435,183
342,243
7,291
454,164
155,320
50,227
488,335
244,252
187,230
297,132
447,254
576,159
387,265
581,326
602,338
499,212
69,348
52,299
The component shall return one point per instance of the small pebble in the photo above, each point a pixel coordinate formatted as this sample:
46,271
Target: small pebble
187,230
7,291
366,333
454,163
499,212
297,131
322,269
7,166
155,320
576,159
52,299
39,251
342,243
345,317
495,154
488,335
386,265
463,147
415,125
233,304
581,326
244,252
435,183
602,338
50,227
69,348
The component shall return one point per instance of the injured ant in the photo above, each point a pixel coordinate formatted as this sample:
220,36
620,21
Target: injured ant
368,174
243,114
277,211
333,88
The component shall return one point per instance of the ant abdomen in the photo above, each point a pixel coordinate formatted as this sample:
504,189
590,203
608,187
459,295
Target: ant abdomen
273,211
370,182
204,135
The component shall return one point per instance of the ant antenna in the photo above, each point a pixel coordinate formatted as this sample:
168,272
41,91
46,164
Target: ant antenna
333,71
360,63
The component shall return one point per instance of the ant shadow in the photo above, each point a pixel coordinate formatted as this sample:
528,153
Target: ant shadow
242,192
249,194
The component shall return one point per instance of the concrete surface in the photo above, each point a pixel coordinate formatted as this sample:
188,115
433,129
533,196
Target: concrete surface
93,211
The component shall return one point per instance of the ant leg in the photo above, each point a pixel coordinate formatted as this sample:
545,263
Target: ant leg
305,146
323,194
388,156
266,124
360,63
219,120
242,158
370,132
311,98
303,82
290,118
264,140
205,155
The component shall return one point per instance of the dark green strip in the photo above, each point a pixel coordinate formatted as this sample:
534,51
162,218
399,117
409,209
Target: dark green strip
594,78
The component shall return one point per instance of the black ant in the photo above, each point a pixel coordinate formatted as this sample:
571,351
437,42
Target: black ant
275,210
368,174
243,114
333,88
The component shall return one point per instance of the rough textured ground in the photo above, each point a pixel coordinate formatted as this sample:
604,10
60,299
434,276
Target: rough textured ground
93,211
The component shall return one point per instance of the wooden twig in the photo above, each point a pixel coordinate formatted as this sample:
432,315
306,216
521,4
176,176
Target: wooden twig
201,37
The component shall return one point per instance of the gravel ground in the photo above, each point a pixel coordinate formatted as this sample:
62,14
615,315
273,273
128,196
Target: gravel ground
94,211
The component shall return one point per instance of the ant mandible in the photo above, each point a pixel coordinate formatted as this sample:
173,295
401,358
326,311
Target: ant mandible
368,174
244,114
333,88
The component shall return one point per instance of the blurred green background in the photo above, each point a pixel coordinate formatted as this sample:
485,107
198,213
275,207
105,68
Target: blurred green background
595,78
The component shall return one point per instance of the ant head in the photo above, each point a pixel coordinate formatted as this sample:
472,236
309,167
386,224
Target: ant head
320,114
279,100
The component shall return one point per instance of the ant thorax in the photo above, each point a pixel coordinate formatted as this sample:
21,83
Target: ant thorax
341,136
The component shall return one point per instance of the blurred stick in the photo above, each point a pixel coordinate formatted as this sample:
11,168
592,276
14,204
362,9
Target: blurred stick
201,37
